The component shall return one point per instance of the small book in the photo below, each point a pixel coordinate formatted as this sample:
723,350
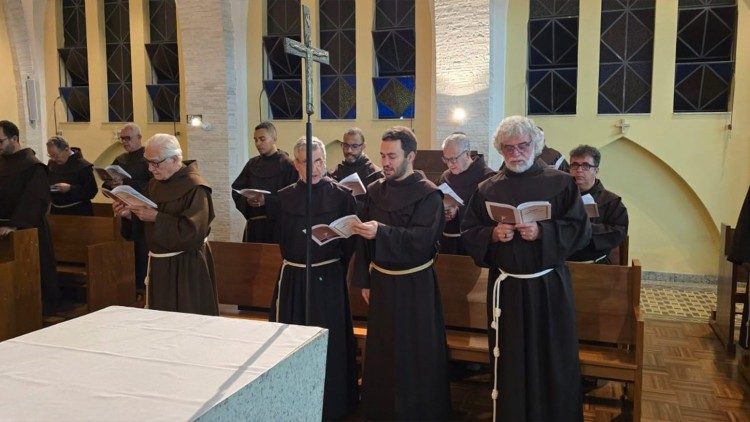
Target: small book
337,229
528,212
128,196
591,208
450,197
113,172
353,182
252,193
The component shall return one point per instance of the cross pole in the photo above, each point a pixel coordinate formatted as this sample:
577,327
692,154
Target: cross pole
309,54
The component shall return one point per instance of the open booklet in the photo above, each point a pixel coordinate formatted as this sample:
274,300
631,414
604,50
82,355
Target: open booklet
591,208
109,173
337,229
252,193
450,197
528,212
128,196
353,182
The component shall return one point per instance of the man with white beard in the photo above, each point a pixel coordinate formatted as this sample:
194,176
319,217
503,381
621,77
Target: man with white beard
538,376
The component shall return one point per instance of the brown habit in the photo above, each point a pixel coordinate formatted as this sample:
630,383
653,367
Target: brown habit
185,282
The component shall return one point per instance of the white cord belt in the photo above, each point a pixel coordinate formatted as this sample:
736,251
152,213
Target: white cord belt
66,205
451,234
593,261
147,279
496,323
285,264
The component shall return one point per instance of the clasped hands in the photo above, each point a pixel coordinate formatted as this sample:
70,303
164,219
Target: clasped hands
505,232
143,213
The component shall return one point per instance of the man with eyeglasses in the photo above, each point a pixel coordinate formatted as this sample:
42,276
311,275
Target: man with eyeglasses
270,171
133,162
180,274
406,369
463,176
329,297
355,159
609,229
531,315
24,200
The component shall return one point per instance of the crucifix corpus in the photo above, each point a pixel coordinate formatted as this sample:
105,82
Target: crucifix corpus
309,54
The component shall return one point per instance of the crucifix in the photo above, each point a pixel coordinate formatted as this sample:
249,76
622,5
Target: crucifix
309,54
623,126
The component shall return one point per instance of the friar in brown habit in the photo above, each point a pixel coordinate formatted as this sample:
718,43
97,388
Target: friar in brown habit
181,273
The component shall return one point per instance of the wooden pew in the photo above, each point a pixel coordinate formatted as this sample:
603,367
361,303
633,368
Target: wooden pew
607,307
20,285
246,274
722,320
91,255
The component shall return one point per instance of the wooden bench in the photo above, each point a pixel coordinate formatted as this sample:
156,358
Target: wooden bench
730,275
92,256
20,285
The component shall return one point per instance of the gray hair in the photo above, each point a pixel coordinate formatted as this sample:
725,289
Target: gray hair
168,145
519,126
459,139
133,128
58,142
317,144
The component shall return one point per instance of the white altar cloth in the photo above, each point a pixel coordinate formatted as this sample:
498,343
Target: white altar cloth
135,364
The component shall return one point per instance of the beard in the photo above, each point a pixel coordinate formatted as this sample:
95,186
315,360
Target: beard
351,158
520,168
399,171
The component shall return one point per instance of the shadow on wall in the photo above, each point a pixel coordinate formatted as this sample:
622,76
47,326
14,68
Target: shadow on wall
670,228
103,160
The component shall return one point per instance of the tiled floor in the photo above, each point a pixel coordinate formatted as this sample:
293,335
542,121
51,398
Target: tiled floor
674,301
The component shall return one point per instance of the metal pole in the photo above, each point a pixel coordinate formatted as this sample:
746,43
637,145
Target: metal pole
308,216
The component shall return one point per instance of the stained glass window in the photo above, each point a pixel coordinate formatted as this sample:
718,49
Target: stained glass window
338,82
163,54
395,52
553,56
119,74
283,82
626,56
74,83
705,55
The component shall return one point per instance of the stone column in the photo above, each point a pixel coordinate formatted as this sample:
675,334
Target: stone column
214,65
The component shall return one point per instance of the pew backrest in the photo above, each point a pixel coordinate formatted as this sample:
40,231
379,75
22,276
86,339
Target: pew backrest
245,272
72,234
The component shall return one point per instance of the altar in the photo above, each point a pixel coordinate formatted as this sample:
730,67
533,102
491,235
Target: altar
135,364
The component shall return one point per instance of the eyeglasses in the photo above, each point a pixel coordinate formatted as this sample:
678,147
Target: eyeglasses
584,166
346,146
156,163
319,162
125,138
453,160
522,148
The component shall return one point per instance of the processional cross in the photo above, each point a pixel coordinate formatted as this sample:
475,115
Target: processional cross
309,54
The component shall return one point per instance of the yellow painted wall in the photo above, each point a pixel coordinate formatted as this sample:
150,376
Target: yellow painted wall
682,174
9,105
98,138
289,130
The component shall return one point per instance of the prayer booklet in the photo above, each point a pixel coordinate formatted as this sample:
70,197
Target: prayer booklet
450,197
591,208
113,172
252,193
354,183
128,196
528,212
337,229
